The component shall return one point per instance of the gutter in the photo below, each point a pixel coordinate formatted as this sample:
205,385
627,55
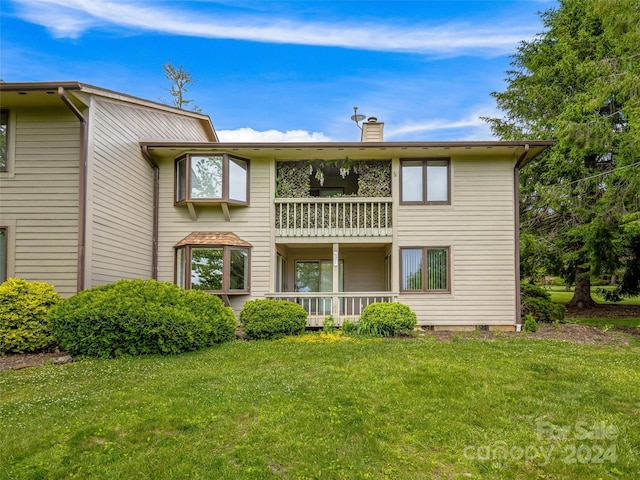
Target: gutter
82,187
156,204
520,163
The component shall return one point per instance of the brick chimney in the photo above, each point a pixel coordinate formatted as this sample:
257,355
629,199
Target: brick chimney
372,130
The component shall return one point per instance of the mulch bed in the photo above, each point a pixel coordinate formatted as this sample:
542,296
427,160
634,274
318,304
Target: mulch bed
566,332
17,361
605,311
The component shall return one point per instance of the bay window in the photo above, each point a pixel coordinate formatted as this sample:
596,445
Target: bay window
213,262
214,178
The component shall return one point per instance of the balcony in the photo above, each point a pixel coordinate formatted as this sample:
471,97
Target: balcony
334,217
340,305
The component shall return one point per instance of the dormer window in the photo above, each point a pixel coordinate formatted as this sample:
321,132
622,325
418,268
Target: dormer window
214,178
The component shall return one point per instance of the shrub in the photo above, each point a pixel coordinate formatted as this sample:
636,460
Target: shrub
386,319
558,311
270,319
530,324
349,327
136,317
23,316
536,301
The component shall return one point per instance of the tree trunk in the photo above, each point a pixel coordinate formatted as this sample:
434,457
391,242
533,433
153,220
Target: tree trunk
582,295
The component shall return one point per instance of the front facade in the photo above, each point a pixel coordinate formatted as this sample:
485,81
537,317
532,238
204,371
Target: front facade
332,226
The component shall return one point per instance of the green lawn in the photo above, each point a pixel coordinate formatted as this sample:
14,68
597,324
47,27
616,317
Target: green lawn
558,294
356,409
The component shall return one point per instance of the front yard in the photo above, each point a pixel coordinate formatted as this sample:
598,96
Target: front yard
313,407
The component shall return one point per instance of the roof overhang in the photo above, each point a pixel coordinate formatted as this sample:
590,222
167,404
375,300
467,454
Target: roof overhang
354,150
36,94
45,94
213,239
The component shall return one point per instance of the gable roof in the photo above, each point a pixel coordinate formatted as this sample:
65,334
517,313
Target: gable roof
48,94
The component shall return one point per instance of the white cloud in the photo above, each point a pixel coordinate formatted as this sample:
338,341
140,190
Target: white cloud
70,18
251,135
468,127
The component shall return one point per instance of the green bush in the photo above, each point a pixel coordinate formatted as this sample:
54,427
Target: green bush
386,319
530,324
349,327
270,319
136,317
558,311
536,301
23,316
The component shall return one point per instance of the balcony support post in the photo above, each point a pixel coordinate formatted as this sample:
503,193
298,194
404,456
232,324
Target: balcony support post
335,302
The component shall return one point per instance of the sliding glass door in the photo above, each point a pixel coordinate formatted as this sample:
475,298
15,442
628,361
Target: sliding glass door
317,276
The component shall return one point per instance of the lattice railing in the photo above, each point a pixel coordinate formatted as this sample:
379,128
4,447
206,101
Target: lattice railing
320,217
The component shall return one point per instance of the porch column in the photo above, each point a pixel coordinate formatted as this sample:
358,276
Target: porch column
335,306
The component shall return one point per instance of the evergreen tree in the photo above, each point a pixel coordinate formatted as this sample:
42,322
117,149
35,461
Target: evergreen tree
578,83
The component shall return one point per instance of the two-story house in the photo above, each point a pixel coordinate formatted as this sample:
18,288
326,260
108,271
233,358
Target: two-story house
333,226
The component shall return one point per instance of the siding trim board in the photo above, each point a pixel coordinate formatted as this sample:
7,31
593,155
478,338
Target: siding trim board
520,163
82,187
156,214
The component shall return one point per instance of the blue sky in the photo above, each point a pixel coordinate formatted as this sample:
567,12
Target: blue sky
284,71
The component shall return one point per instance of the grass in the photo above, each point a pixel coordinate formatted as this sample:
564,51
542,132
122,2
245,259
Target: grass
321,408
559,295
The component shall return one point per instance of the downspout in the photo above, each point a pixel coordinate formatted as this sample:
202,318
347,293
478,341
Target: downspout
82,188
156,201
516,203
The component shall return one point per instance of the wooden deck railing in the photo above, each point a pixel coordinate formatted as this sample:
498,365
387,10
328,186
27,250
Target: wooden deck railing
340,305
326,217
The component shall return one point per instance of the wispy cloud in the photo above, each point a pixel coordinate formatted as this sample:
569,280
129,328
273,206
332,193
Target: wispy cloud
472,125
71,18
251,135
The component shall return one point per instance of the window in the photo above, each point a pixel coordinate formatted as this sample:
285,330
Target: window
424,269
212,178
425,181
4,138
3,254
213,262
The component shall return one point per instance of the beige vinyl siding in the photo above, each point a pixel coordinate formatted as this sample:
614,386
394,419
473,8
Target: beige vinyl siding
478,227
252,223
39,199
363,269
121,191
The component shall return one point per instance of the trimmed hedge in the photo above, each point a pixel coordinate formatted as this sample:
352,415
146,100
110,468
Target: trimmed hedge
386,319
536,301
23,316
137,317
271,319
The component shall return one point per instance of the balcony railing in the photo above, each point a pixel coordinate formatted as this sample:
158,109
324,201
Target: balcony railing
329,217
340,305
